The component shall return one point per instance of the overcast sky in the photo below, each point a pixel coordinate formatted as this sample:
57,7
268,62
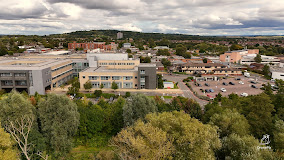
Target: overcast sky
198,17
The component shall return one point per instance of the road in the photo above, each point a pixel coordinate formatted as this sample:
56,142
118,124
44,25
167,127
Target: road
186,92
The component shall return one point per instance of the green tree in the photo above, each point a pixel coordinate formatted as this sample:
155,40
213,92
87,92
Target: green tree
193,108
102,86
59,120
236,47
164,52
239,147
258,59
143,141
160,81
75,86
114,86
152,43
88,85
266,71
230,121
204,60
191,138
147,60
128,51
98,93
166,62
180,50
137,107
7,149
278,134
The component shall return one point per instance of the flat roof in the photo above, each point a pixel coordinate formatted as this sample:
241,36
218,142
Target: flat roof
57,53
28,64
103,69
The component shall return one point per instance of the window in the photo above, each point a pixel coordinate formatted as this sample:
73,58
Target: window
116,77
105,77
135,77
83,77
142,71
95,84
7,83
127,77
93,77
21,83
20,74
127,85
6,74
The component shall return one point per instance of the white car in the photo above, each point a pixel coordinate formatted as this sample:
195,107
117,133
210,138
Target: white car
244,94
241,82
223,89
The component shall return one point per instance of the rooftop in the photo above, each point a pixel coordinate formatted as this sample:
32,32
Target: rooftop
105,69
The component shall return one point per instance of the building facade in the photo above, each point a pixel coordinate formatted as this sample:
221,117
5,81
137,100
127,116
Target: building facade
236,56
93,45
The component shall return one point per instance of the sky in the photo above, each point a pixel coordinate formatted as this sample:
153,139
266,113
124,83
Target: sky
193,17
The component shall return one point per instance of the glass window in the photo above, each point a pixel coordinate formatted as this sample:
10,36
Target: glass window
142,71
6,74
20,74
105,77
127,77
93,77
116,77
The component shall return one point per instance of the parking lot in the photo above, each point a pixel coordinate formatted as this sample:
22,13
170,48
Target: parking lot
237,88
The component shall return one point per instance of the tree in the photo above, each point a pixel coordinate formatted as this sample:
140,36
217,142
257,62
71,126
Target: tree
128,51
230,121
204,60
102,86
114,86
98,93
193,109
75,86
152,43
160,81
258,59
191,138
88,85
59,119
266,71
279,135
143,141
147,60
7,150
137,107
166,62
239,147
164,52
180,50
236,47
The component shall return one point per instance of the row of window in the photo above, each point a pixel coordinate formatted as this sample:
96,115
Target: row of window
129,64
10,74
17,83
58,68
108,84
110,77
62,74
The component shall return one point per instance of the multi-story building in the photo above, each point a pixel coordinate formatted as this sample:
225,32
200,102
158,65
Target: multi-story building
236,56
119,35
93,45
271,60
34,75
205,68
127,73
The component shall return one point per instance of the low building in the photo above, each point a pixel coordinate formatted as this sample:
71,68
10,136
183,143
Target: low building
126,45
271,60
277,73
161,47
168,85
92,46
34,75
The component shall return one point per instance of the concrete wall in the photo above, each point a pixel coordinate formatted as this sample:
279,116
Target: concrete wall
277,75
40,80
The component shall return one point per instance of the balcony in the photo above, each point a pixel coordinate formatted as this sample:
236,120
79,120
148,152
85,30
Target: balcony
7,83
21,83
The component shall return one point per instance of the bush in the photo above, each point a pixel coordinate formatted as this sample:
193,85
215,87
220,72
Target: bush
98,93
108,95
127,94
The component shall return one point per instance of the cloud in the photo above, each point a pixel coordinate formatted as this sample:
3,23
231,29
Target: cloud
168,16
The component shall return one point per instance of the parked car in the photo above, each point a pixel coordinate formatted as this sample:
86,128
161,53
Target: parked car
253,82
199,85
206,84
241,82
238,79
223,90
210,96
211,90
231,83
244,94
253,86
207,90
225,84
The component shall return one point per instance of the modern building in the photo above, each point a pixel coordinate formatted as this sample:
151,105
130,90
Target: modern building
236,56
271,60
126,45
119,35
205,68
34,75
277,73
127,73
